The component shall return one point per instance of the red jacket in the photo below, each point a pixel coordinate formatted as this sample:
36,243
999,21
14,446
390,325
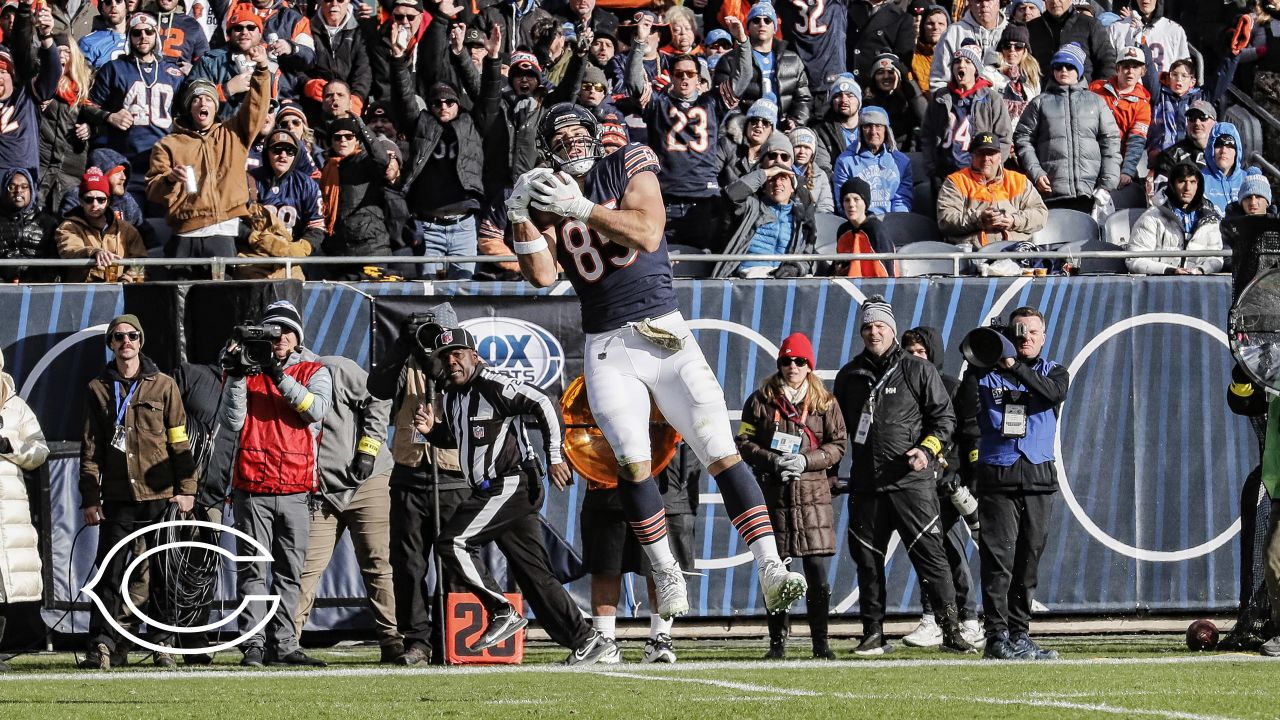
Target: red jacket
277,454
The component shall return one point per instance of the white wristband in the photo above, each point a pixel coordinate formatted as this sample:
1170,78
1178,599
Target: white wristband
530,247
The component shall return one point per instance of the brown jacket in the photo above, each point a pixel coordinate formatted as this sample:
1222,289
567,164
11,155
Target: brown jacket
268,237
76,238
159,463
803,520
218,156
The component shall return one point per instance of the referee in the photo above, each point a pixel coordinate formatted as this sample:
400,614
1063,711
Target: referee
483,418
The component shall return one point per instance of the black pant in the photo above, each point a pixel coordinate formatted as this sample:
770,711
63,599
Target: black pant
955,542
413,533
914,513
120,519
1083,203
1015,525
505,513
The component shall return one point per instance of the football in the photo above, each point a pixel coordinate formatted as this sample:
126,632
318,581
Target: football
1202,635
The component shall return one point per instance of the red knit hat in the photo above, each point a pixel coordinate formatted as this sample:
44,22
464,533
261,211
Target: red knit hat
797,345
93,179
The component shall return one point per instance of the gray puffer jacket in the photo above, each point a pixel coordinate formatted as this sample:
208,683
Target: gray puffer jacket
1069,134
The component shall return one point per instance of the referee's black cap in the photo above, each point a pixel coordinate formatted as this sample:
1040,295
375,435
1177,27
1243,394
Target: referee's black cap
452,338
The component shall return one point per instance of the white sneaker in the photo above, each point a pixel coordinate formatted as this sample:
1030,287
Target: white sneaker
971,631
673,598
782,588
659,650
926,635
612,656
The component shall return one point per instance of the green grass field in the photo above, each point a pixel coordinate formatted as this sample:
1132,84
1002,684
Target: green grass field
1140,677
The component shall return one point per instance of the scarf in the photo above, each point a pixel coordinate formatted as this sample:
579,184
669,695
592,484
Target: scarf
331,191
68,91
798,417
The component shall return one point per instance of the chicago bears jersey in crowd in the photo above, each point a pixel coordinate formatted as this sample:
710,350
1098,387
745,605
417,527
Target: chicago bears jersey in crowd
686,135
816,30
181,37
615,284
148,91
20,113
294,198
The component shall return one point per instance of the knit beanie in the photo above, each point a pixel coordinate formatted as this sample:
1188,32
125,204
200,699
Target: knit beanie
797,345
1070,54
284,314
1256,185
876,309
126,319
857,186
93,179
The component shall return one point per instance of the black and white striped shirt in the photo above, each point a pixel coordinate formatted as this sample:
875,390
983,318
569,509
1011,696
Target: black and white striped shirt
486,421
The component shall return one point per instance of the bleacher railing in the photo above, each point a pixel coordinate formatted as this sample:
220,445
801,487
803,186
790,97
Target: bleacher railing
958,259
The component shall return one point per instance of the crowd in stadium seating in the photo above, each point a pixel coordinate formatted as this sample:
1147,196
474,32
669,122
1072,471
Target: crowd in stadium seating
397,129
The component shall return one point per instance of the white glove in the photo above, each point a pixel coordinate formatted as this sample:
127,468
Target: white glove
559,194
790,466
518,202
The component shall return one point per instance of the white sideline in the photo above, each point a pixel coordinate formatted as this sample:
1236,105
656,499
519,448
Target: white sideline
147,673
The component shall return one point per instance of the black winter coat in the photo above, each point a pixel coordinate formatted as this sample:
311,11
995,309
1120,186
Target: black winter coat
62,154
342,55
795,101
426,131
361,227
912,407
1048,35
24,234
869,34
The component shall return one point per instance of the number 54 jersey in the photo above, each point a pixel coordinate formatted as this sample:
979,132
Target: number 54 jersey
615,284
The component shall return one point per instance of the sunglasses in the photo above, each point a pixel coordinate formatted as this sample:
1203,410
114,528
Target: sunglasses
141,32
797,361
342,137
758,121
282,150
1014,46
404,17
1061,66
122,336
247,27
443,102
598,87
721,45
94,200
1197,117
685,73
778,155
761,20
111,2
291,122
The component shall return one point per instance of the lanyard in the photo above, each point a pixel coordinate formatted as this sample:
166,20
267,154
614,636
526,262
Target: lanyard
123,404
879,386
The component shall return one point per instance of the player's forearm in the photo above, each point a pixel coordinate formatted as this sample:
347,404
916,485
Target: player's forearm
635,229
538,266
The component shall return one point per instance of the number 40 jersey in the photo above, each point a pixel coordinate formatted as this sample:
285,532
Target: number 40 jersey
147,90
615,284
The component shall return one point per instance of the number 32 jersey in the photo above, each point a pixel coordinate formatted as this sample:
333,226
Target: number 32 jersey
615,284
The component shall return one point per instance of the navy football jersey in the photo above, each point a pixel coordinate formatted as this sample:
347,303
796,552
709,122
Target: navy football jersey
815,30
147,91
685,134
615,284
182,38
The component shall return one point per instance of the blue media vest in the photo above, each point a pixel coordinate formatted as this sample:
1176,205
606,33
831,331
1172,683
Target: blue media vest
1042,420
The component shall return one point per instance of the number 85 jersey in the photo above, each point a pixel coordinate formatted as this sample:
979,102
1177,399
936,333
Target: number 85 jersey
615,284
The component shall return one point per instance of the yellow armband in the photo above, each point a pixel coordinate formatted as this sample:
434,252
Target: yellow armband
177,435
1243,390
306,403
932,444
368,446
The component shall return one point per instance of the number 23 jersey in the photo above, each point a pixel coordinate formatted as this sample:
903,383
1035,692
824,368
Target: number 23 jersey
615,284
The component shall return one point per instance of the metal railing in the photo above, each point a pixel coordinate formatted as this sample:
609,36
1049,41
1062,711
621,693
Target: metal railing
958,259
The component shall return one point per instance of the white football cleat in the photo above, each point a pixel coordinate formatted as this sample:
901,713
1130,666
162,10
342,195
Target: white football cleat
782,588
673,597
659,650
926,635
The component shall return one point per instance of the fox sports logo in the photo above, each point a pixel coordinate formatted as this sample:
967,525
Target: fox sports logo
519,349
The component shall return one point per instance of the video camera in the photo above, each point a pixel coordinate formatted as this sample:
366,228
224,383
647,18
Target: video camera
255,351
419,330
985,346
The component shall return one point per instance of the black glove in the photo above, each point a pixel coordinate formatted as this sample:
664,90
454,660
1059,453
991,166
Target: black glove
6,447
274,370
362,466
229,360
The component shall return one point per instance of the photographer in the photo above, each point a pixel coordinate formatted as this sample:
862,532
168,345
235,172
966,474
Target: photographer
355,469
1013,409
484,418
276,401
419,505
899,419
135,460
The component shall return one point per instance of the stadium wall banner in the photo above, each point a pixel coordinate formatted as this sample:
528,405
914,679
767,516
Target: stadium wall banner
1150,460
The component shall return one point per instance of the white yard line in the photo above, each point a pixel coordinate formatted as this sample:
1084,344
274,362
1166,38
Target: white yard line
727,684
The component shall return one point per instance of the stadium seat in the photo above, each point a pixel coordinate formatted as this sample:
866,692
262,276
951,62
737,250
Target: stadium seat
1118,226
690,268
1066,226
160,236
908,267
828,225
923,201
1133,195
1100,266
912,227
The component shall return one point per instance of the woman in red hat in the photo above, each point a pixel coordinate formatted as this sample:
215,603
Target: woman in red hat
793,435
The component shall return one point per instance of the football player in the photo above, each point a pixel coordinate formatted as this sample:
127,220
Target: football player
602,218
